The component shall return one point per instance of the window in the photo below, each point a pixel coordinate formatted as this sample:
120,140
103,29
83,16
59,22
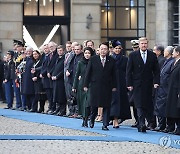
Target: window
46,8
123,19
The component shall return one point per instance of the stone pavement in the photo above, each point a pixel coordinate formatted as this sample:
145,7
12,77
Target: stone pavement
11,126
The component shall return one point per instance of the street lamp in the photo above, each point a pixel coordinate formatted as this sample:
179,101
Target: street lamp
89,21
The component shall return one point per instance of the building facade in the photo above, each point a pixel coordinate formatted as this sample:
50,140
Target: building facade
40,21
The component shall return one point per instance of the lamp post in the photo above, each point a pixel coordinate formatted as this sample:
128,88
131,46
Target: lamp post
88,21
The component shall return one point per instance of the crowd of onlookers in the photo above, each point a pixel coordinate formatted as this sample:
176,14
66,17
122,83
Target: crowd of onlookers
100,84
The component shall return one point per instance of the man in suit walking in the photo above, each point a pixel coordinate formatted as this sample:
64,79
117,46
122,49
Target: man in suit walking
100,77
142,74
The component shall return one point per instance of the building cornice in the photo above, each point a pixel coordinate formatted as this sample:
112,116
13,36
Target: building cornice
11,1
82,2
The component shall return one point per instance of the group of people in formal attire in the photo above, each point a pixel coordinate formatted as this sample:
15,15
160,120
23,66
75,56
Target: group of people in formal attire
77,80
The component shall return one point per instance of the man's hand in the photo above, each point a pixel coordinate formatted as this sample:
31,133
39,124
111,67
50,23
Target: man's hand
54,78
5,81
156,86
113,89
41,76
49,75
85,89
130,88
74,90
67,73
34,78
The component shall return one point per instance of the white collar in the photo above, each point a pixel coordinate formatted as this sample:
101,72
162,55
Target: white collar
142,52
103,58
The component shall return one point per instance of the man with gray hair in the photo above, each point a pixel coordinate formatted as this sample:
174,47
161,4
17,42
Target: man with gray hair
28,84
162,91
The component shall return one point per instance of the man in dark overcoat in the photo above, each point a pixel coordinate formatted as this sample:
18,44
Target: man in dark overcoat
59,95
173,99
142,74
27,82
43,74
71,71
52,57
100,78
162,91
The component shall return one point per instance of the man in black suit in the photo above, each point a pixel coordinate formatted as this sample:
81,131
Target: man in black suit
142,74
100,77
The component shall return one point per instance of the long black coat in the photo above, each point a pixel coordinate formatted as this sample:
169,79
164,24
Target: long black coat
100,81
142,76
9,70
161,60
27,82
172,107
162,91
1,71
59,94
120,105
51,64
38,86
45,80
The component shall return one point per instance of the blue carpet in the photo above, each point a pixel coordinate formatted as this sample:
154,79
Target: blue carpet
124,133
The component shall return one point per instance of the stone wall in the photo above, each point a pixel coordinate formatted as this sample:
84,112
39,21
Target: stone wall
80,9
11,21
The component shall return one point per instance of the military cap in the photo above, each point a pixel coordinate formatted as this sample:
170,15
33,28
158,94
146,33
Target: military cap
10,52
135,43
18,42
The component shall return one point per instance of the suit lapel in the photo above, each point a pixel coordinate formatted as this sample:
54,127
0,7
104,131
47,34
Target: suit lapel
174,66
139,57
99,62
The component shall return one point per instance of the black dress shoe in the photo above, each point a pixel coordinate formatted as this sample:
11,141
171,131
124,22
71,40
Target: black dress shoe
176,132
159,129
168,130
151,126
32,110
86,122
142,129
91,123
104,128
40,111
7,107
115,126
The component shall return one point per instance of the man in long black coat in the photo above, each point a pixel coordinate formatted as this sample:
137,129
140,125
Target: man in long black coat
101,79
162,91
52,57
142,74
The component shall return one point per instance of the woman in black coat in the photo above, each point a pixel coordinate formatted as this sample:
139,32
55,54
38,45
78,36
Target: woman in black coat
40,94
120,107
162,91
59,95
173,104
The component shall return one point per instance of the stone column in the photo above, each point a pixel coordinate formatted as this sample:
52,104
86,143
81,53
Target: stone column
162,22
179,22
80,9
11,22
151,22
